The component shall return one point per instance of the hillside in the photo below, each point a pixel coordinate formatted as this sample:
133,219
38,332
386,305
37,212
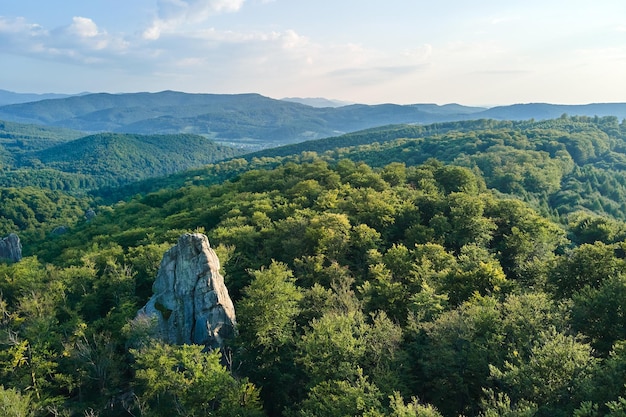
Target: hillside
362,285
559,166
19,137
245,119
256,122
109,159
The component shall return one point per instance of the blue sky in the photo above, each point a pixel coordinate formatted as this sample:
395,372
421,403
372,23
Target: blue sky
483,52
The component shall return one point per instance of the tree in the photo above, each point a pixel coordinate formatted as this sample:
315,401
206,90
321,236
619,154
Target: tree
353,397
553,376
185,381
477,272
499,405
266,318
333,347
599,314
267,311
412,409
14,404
466,220
452,354
586,265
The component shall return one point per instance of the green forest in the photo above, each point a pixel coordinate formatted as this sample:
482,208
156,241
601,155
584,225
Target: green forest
456,269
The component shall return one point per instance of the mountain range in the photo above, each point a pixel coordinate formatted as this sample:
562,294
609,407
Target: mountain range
253,121
10,97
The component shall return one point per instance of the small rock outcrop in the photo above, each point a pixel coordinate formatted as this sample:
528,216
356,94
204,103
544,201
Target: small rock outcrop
90,214
59,230
11,248
190,302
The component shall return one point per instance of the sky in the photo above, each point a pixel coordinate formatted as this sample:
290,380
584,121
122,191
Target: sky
480,52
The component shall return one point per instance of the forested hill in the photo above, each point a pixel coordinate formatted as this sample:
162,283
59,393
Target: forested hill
559,166
110,159
133,156
358,291
19,137
258,122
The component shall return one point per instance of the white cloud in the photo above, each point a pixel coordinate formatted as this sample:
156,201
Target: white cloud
19,26
80,41
84,27
174,14
422,53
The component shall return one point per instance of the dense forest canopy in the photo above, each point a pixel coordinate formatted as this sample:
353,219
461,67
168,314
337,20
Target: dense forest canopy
458,272
106,159
559,166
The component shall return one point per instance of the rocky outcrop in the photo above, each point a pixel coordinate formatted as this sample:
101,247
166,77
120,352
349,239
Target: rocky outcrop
11,248
90,214
190,302
59,230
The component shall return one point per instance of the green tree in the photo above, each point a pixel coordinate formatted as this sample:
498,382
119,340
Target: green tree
554,376
266,318
14,404
598,313
451,356
185,381
333,347
586,265
477,272
342,398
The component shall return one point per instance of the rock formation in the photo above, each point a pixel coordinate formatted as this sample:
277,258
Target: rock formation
11,248
190,302
90,214
59,230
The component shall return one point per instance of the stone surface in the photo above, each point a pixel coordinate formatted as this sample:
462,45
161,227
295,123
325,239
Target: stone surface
11,248
190,302
90,214
59,230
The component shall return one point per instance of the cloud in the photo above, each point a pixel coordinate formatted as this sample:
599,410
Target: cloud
201,57
173,14
84,27
80,41
373,75
421,53
19,26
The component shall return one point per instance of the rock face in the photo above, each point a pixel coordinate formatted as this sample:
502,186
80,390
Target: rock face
190,302
90,214
59,230
11,248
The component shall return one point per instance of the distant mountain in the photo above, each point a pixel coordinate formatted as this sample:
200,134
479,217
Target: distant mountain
448,109
9,97
544,111
317,101
253,122
250,121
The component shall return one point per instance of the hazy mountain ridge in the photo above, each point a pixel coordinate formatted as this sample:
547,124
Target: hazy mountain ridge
9,97
318,101
543,111
255,121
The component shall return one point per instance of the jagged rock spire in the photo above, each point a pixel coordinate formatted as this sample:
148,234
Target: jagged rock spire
190,302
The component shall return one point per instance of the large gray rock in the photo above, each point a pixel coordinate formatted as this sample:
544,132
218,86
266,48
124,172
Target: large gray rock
190,302
11,248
